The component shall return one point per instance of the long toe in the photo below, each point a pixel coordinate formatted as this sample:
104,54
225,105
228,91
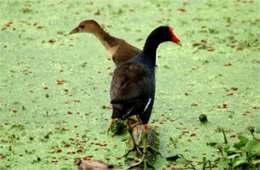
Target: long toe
154,150
137,148
111,124
144,163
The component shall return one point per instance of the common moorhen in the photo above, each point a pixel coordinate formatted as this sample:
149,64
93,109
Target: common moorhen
133,85
119,50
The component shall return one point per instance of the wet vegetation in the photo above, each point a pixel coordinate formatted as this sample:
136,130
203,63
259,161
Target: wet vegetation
54,87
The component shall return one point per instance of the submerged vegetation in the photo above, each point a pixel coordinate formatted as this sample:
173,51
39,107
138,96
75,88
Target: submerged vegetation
54,88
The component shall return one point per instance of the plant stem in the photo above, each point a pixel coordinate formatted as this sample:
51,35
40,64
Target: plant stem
225,137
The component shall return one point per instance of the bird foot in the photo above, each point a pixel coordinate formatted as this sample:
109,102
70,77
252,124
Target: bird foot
137,148
154,150
137,121
110,125
133,118
143,161
156,131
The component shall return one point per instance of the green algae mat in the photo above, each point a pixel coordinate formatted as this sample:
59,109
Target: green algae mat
54,87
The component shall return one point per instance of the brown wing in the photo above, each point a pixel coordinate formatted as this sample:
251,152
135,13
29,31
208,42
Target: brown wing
129,83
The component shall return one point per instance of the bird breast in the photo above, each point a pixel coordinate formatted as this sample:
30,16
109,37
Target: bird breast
112,51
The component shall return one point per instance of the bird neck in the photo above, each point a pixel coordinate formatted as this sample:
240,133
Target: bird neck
107,40
149,51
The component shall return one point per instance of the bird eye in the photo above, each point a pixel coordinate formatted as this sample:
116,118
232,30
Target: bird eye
81,26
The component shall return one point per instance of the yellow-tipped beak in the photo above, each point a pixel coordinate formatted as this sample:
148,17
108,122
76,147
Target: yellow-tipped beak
75,30
179,43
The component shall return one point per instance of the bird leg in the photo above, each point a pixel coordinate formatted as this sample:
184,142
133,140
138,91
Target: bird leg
111,123
143,160
145,139
138,121
135,145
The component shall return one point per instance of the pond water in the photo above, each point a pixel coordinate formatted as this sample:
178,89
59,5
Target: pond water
53,86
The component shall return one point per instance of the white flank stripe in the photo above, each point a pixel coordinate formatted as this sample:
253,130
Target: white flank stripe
149,101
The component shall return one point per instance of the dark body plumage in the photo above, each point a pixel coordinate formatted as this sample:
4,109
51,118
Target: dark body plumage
133,85
131,90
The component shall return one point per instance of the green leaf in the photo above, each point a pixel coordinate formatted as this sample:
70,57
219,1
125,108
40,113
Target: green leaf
230,152
227,147
118,127
17,127
257,130
243,141
253,147
233,156
173,141
255,162
239,163
173,158
212,143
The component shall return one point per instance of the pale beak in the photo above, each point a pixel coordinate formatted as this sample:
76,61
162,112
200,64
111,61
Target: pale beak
75,30
179,43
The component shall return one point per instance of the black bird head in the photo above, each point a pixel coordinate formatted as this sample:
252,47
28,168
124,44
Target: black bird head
159,35
162,34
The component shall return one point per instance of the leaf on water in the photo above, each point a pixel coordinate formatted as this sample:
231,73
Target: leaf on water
239,163
253,148
230,150
173,158
212,31
65,168
36,160
139,39
228,20
205,62
233,156
166,66
196,44
256,162
203,46
182,9
26,10
17,127
84,64
212,143
173,141
243,141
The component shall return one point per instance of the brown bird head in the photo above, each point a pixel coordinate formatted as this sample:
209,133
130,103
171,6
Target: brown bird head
89,26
